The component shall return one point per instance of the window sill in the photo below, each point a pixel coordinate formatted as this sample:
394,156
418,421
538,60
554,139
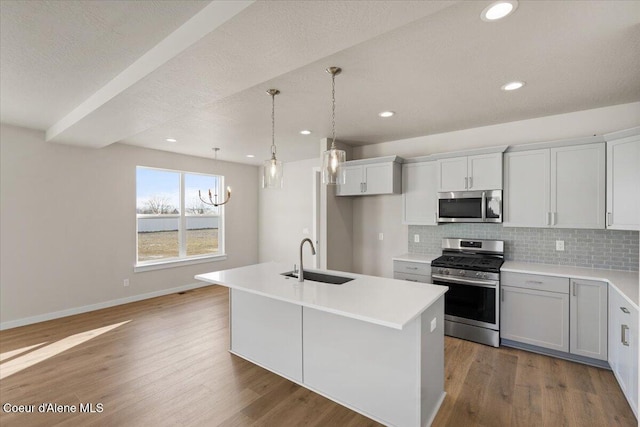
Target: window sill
177,262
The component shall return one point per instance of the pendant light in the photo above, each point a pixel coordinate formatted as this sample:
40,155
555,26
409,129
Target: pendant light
213,197
272,173
333,159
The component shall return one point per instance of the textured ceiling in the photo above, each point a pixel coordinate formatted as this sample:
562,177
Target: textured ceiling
139,72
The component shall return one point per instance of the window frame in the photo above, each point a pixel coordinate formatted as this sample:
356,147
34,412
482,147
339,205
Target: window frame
182,258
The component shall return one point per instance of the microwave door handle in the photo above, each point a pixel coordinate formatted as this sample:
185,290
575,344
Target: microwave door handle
483,206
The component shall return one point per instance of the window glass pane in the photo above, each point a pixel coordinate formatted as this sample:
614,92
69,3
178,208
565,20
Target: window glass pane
203,183
157,238
157,191
202,235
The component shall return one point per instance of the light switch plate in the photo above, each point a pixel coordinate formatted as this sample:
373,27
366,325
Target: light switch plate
380,236
559,245
416,238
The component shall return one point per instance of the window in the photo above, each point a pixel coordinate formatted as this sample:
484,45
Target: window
173,224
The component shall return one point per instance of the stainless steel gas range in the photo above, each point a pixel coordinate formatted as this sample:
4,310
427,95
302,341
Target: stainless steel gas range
471,270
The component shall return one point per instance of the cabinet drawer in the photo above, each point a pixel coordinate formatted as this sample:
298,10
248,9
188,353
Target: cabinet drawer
535,281
412,268
412,277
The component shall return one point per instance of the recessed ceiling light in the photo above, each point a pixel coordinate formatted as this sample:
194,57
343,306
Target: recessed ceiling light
498,10
305,132
251,156
512,86
386,114
171,140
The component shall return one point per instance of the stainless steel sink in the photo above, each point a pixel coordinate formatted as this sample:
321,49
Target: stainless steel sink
320,277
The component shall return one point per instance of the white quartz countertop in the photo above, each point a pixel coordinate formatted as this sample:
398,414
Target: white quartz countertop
426,259
624,281
387,302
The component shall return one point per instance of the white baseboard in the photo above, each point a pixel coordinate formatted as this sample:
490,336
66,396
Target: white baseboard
84,309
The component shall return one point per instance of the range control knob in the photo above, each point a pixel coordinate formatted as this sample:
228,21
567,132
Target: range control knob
481,275
462,273
446,271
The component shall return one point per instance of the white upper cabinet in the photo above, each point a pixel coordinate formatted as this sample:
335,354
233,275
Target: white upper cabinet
419,196
578,186
555,187
372,176
526,189
466,173
623,183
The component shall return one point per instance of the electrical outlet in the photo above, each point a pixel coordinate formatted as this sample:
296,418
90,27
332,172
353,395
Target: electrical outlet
125,282
416,238
433,324
380,236
559,245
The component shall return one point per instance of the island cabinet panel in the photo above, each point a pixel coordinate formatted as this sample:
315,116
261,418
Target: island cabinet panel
394,376
267,332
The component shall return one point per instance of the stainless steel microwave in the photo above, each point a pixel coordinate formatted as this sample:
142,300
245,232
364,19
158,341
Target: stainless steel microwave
470,206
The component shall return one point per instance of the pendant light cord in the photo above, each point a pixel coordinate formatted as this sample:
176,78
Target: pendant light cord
333,111
273,126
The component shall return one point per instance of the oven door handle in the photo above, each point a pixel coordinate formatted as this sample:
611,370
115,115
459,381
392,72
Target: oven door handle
472,282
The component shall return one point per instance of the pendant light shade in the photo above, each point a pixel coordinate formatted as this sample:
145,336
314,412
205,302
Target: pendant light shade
333,159
272,172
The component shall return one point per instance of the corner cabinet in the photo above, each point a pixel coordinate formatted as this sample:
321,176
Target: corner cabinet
381,175
419,193
560,187
623,183
466,173
623,345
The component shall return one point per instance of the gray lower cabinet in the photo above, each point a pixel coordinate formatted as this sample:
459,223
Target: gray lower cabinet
588,318
412,271
557,313
623,345
535,317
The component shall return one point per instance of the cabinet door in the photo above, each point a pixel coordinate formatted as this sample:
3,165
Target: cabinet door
378,178
526,189
452,174
623,183
588,322
535,317
353,181
419,196
623,345
485,172
578,186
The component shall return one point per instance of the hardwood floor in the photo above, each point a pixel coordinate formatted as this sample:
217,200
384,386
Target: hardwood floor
169,365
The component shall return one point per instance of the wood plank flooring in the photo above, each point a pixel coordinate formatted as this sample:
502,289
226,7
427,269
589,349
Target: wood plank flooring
169,365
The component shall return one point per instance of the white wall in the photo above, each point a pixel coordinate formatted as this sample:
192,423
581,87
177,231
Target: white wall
285,213
68,224
372,215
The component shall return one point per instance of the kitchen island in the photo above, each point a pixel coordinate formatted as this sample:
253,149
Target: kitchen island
373,344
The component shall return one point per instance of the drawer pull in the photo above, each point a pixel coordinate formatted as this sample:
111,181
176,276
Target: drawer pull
533,282
411,268
625,310
411,280
623,333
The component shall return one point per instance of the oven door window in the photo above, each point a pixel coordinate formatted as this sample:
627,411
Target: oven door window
470,302
460,208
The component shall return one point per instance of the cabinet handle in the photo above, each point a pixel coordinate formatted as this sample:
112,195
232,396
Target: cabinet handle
553,218
465,183
623,334
609,223
470,182
574,289
625,310
501,294
548,218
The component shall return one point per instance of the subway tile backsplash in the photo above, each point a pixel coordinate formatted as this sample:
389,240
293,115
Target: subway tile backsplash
606,249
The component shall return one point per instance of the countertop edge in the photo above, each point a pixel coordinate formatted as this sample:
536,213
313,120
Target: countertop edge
584,274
